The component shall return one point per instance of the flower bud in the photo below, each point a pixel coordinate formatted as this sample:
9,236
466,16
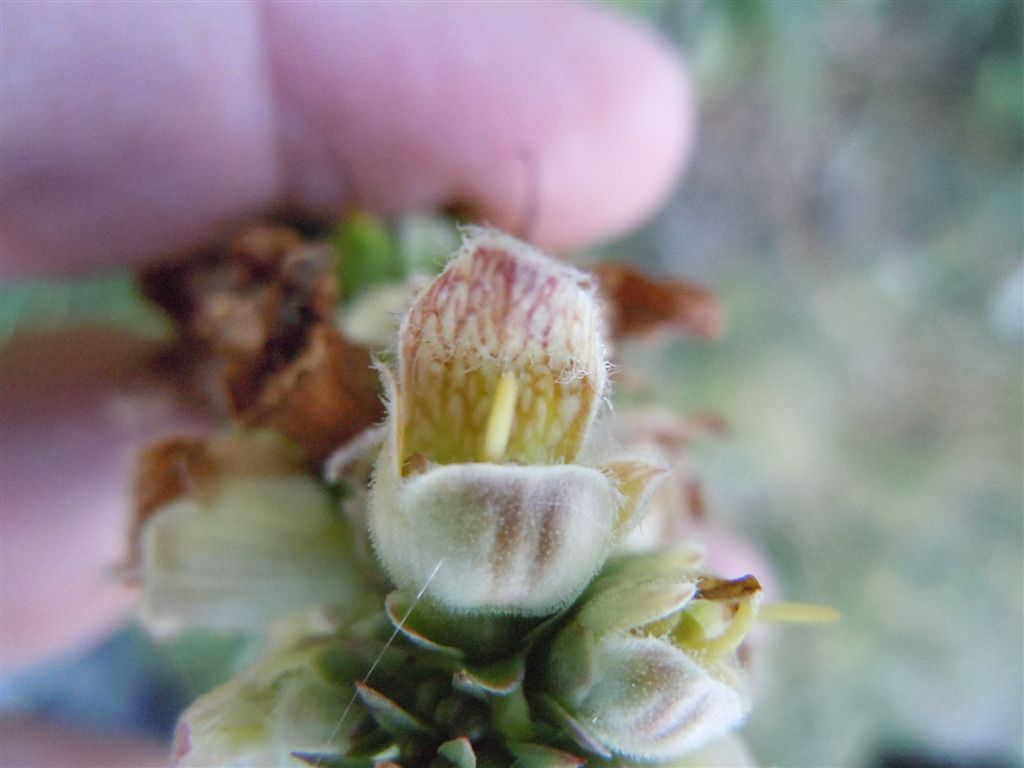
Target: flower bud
477,499
250,539
646,668
650,700
292,701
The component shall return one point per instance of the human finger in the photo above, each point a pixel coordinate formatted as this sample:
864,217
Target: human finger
136,129
77,407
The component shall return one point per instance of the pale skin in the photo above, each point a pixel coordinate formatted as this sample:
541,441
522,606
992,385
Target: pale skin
132,130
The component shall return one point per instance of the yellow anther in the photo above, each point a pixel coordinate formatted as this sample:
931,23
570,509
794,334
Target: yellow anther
798,613
499,420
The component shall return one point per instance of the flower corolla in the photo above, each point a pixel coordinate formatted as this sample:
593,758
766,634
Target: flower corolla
480,496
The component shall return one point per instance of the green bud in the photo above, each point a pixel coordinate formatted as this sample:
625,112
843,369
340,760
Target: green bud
646,668
286,703
367,253
253,542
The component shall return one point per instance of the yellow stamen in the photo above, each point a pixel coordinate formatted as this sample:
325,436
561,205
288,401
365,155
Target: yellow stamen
499,421
733,634
798,613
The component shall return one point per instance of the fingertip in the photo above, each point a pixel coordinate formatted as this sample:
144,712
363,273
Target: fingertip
560,122
614,164
168,125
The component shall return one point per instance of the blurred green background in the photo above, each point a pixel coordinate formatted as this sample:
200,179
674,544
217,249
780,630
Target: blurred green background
857,200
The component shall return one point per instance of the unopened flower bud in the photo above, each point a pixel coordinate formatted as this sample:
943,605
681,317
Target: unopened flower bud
250,539
646,668
477,497
294,700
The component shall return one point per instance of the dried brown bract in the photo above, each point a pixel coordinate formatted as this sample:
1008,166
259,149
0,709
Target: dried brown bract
164,472
321,395
724,590
641,305
266,284
263,308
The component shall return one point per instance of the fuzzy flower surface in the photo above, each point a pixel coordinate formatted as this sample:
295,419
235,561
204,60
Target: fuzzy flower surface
480,489
454,590
647,666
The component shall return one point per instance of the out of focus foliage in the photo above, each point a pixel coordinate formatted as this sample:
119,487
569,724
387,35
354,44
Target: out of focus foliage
856,196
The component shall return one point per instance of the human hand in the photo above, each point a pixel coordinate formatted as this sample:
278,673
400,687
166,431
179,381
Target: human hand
130,131
133,130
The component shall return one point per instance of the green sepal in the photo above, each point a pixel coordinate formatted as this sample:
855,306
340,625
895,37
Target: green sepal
636,480
573,727
457,753
540,756
512,718
390,715
464,715
416,625
683,559
370,741
628,606
333,761
498,678
570,667
545,630
348,660
479,637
